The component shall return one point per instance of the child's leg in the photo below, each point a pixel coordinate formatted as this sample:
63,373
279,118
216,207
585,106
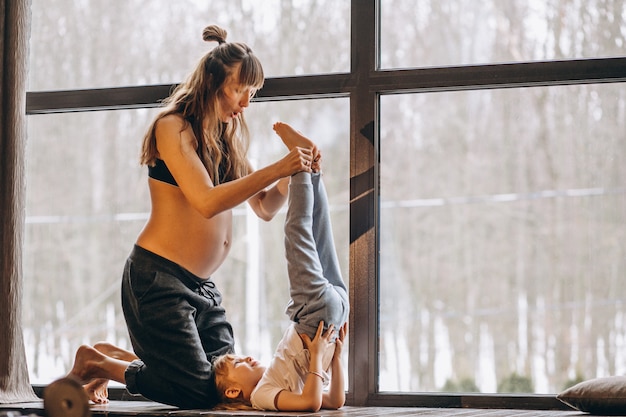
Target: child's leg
323,234
305,272
313,297
337,300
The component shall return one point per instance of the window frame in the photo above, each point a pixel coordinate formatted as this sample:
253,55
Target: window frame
364,85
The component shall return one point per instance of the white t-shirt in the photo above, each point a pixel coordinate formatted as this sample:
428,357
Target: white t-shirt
287,371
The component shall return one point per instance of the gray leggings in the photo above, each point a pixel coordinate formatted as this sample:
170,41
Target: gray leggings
317,290
176,325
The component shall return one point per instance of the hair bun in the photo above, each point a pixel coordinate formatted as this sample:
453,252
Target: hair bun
214,33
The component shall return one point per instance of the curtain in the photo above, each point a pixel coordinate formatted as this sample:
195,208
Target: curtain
14,33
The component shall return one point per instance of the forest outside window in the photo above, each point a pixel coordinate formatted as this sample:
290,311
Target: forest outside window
503,243
93,44
428,33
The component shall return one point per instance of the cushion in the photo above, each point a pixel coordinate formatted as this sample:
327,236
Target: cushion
602,396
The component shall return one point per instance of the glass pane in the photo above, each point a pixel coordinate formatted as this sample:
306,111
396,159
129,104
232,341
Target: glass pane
502,239
89,44
457,32
87,200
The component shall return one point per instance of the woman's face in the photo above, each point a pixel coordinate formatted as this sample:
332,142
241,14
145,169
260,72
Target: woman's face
235,97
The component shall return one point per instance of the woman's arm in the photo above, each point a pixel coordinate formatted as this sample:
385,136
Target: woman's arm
176,147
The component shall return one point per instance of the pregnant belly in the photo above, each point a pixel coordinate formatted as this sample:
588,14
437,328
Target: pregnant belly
199,247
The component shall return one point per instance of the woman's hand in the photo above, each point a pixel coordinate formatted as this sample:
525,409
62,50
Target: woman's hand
316,166
297,160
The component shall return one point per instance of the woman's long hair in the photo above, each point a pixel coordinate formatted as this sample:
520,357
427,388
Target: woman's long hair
222,147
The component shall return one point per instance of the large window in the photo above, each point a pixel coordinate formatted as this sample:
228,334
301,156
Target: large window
503,245
477,193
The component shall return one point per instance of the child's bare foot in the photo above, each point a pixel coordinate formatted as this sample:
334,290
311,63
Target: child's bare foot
97,390
292,138
115,352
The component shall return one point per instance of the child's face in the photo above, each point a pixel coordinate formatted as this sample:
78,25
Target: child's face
247,372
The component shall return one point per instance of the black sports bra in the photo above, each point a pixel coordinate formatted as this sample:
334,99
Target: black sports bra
161,172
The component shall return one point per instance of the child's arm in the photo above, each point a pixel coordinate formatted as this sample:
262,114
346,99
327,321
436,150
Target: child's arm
311,397
336,396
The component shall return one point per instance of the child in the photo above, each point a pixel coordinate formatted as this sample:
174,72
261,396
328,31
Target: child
318,309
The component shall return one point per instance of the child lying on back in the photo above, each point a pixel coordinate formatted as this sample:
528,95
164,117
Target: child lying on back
311,347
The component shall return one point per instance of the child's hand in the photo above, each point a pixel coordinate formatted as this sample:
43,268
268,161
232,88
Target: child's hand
318,345
343,331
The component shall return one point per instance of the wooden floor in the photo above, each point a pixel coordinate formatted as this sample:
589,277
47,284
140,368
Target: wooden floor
151,409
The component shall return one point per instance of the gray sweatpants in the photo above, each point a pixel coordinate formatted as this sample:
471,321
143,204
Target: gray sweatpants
317,290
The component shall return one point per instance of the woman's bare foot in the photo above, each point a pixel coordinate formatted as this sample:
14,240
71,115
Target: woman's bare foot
87,371
93,369
98,390
115,351
86,364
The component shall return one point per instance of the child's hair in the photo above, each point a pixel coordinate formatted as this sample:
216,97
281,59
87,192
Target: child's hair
223,382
